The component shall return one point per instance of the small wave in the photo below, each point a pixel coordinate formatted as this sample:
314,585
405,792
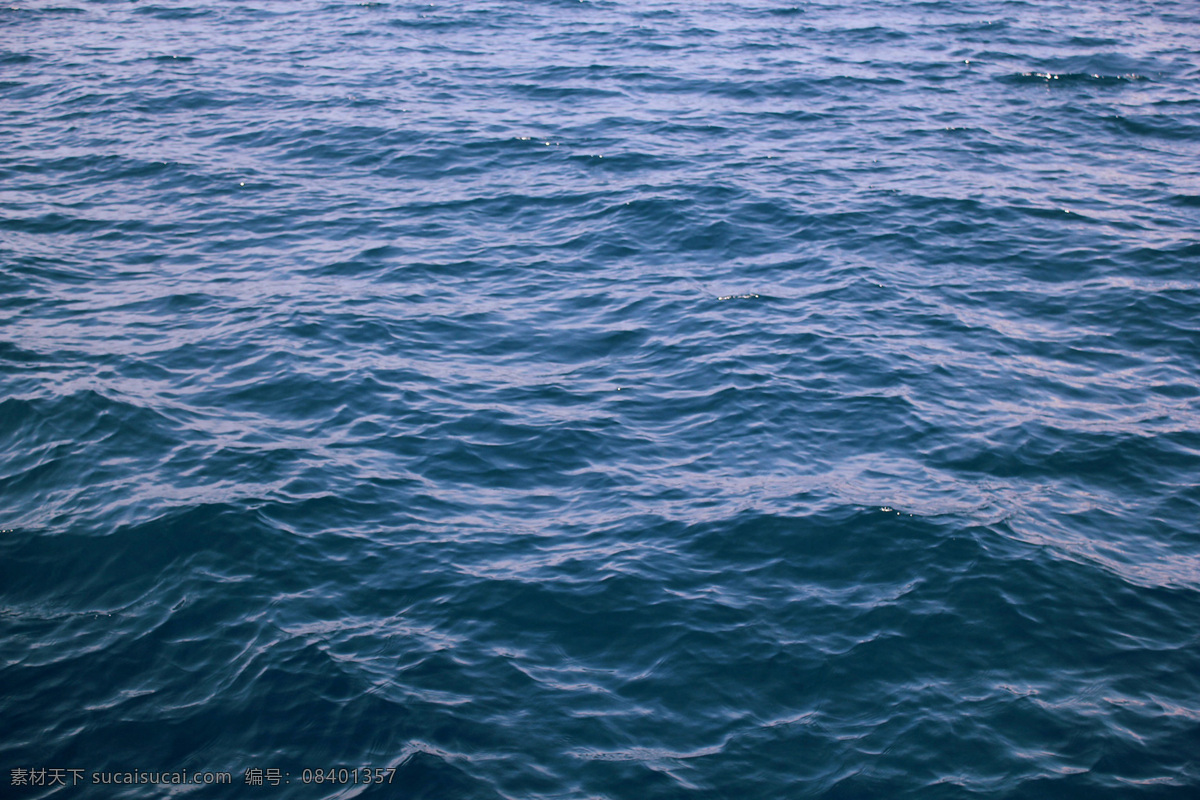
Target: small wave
1068,78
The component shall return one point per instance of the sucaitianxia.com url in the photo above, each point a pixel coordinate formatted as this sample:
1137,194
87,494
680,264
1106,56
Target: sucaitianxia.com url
55,776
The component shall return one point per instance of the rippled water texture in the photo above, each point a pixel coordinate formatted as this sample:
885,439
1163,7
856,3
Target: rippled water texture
602,400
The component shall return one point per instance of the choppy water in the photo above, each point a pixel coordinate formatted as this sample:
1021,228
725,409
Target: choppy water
602,399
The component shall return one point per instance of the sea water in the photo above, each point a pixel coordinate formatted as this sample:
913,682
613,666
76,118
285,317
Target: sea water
566,400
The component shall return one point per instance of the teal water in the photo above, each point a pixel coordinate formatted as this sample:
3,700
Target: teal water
599,400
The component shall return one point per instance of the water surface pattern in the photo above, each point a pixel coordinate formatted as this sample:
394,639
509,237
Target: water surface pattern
602,400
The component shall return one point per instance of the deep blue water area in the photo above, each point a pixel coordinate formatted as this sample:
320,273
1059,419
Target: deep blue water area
599,400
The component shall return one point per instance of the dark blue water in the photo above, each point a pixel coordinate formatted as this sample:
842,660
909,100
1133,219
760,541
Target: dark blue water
601,400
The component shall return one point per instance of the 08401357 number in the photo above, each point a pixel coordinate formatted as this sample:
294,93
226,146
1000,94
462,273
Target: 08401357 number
349,775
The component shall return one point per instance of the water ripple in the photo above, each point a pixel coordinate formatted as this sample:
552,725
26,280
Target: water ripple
580,399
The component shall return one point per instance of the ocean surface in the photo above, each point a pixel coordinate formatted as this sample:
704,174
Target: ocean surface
599,400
